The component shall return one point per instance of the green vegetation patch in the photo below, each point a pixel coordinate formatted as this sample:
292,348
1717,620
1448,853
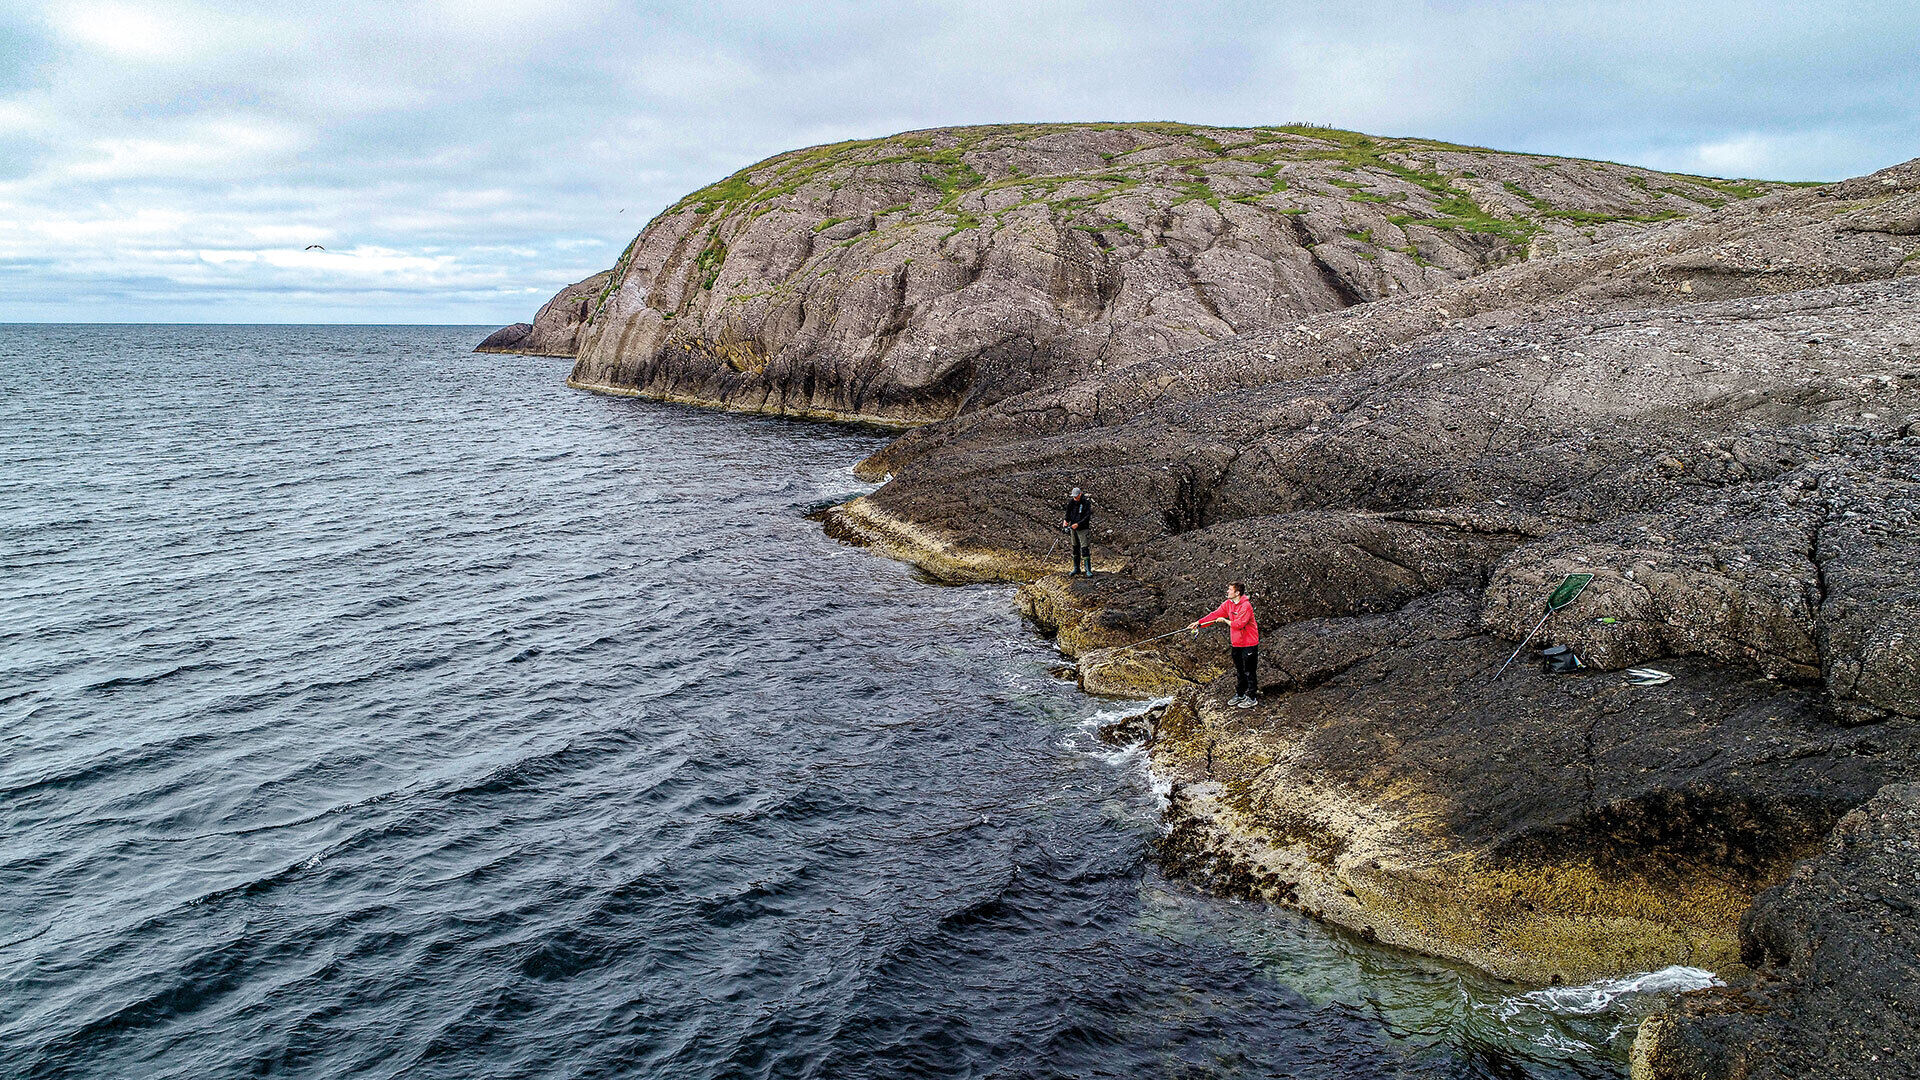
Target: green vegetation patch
1460,213
710,259
940,160
1739,189
962,221
958,179
1583,217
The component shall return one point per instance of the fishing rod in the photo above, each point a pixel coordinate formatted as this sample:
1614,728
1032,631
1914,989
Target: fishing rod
1544,616
1149,641
1055,546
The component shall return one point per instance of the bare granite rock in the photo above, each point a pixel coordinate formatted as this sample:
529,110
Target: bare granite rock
907,279
1399,388
1717,418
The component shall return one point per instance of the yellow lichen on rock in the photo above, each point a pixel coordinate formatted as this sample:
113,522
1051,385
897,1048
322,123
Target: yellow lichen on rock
1251,814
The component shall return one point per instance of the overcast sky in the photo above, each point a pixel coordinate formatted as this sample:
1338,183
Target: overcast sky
460,160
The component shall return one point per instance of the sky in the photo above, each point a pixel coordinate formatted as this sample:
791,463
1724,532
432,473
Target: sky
461,160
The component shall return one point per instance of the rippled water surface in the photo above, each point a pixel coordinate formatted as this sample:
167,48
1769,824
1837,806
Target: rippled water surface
369,708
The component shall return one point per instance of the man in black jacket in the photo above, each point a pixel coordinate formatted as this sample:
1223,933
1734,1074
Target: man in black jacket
1078,521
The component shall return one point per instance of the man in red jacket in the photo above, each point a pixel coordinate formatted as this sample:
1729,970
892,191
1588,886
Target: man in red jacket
1243,633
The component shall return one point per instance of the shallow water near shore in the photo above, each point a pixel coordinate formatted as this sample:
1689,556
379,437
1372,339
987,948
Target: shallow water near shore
369,708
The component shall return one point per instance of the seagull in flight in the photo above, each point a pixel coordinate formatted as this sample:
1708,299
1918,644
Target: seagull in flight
315,247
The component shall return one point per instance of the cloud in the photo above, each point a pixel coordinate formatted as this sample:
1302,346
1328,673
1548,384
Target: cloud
462,159
128,31
17,117
1782,155
206,148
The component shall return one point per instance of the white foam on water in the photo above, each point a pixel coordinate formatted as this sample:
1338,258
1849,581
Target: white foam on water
1598,997
1085,737
1559,1019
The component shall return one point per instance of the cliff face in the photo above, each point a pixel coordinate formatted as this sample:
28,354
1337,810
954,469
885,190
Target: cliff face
903,280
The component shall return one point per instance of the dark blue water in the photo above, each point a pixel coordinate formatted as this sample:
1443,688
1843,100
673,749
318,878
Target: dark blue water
369,708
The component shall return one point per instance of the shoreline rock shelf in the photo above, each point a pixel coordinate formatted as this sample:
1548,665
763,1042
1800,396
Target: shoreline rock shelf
1706,393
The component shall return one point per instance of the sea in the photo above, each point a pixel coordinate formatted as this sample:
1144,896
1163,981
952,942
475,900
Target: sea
373,708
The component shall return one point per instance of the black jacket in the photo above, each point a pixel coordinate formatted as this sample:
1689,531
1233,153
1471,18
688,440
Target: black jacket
1079,513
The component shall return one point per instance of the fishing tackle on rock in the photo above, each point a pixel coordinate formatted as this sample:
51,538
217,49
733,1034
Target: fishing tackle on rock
1570,589
1560,660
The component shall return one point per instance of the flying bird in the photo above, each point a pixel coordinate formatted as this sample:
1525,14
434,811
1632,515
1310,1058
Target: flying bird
315,247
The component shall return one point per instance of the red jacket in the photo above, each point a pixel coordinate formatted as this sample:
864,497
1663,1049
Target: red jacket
1242,630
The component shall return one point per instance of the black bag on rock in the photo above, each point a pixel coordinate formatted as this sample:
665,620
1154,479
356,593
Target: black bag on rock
1561,661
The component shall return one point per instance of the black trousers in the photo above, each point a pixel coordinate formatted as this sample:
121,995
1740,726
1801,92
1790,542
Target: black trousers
1246,667
1082,549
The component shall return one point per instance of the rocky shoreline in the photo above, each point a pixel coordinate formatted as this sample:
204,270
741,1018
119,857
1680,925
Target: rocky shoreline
1518,368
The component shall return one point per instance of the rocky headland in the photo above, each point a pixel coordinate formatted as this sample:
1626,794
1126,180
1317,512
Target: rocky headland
902,280
1399,388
